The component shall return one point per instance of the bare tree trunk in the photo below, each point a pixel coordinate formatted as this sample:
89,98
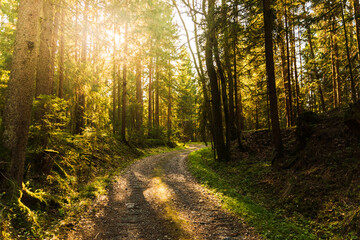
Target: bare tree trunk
352,80
139,97
285,74
114,85
357,22
297,87
21,87
157,98
124,90
288,76
270,72
150,99
169,113
62,54
238,97
228,67
80,103
43,84
221,150
224,95
54,46
333,68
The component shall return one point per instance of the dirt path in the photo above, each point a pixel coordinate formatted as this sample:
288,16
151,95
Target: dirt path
156,198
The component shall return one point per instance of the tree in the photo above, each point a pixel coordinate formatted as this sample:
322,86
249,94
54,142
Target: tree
270,72
217,125
43,79
17,113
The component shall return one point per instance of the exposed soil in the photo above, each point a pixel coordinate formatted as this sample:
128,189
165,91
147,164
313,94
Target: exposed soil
156,198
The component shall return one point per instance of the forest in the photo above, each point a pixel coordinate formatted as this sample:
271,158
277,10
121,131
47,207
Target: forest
88,88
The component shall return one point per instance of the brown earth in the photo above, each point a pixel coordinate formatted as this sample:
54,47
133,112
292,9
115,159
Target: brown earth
156,198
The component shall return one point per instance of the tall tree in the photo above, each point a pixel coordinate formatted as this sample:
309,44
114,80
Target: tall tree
124,83
20,92
217,124
61,54
270,72
80,88
43,79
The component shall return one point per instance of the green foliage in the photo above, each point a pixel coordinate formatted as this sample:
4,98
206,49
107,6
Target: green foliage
48,131
224,181
4,78
8,14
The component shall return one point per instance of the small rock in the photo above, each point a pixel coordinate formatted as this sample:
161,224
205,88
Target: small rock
130,205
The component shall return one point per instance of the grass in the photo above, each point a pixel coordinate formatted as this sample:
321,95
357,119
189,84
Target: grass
234,188
82,172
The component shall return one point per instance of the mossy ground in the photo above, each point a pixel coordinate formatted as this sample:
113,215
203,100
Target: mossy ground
317,197
83,169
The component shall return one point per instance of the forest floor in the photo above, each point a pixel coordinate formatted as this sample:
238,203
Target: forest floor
157,198
314,194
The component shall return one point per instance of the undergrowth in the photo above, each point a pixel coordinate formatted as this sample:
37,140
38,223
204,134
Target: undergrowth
282,204
50,204
232,183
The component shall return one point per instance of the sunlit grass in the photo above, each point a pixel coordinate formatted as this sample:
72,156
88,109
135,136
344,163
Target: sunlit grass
267,222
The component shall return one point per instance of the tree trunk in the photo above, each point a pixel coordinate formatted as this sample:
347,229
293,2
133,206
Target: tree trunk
333,67
357,23
43,84
224,95
81,101
285,74
20,91
124,90
297,87
238,97
54,47
157,98
169,127
270,72
139,97
352,80
314,71
228,67
114,85
150,100
61,54
221,150
288,76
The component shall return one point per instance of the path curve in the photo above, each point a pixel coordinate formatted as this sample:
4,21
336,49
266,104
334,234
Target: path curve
157,198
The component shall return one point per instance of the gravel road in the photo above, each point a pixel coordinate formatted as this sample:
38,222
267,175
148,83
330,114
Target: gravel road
157,198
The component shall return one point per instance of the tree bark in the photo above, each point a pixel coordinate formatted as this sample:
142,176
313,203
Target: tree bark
288,76
114,85
139,97
81,101
222,153
54,46
270,72
228,67
124,89
357,23
21,87
224,95
61,54
352,80
157,98
150,100
43,84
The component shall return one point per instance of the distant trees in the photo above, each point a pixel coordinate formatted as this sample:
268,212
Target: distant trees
112,65
118,67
